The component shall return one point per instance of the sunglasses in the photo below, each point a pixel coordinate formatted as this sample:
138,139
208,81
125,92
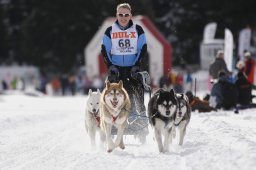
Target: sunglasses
123,15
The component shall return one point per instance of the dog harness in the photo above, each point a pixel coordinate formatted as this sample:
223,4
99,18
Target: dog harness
97,118
114,118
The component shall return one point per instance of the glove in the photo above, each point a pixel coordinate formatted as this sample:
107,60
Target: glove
143,77
134,70
113,74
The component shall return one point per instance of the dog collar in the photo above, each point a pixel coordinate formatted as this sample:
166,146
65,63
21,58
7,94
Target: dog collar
166,120
178,123
97,117
114,118
98,120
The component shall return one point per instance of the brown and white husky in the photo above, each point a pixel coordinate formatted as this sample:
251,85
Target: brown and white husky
115,106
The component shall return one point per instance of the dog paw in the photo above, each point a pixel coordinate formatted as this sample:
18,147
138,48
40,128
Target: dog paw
110,146
109,150
161,150
173,133
122,146
165,150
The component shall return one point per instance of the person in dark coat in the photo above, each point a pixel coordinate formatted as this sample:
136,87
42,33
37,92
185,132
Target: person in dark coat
244,91
218,65
223,93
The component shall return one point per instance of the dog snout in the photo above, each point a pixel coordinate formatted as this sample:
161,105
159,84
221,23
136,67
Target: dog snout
114,99
94,110
180,114
168,112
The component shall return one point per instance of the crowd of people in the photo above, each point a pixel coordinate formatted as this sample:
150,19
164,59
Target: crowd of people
56,84
229,91
237,90
180,81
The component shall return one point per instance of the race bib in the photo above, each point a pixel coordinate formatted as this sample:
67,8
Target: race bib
124,42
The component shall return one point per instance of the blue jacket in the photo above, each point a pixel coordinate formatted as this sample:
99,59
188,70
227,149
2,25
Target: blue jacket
124,60
218,92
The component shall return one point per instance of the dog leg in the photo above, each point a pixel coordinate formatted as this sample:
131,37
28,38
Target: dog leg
110,142
172,134
92,133
182,129
122,144
158,137
86,127
119,135
166,140
102,136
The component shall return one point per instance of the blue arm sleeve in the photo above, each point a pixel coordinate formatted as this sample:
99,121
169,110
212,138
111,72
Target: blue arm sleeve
108,45
141,43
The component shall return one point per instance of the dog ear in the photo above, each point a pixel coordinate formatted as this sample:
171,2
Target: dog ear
98,91
160,92
155,102
108,84
90,92
120,84
172,92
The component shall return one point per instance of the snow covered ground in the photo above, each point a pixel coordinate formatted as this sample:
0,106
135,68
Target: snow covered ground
48,133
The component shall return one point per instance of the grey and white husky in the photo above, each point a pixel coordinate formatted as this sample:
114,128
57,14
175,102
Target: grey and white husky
182,117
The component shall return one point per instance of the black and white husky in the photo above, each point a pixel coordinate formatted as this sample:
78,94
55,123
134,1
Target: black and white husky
162,109
182,117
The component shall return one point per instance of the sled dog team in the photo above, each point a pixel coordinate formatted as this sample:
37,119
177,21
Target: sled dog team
166,111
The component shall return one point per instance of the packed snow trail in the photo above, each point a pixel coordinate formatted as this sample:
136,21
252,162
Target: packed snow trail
48,133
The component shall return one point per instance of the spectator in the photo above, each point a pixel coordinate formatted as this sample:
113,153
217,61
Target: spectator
218,65
244,91
64,83
87,84
72,84
240,65
79,83
20,84
43,83
97,83
249,67
224,93
4,85
14,83
189,81
178,85
56,85
164,82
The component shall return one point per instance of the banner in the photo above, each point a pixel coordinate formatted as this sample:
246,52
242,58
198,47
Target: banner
209,32
244,41
228,49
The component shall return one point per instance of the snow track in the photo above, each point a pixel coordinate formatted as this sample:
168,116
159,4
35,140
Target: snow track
48,133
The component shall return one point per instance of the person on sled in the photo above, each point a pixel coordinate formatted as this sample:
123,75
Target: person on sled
124,49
